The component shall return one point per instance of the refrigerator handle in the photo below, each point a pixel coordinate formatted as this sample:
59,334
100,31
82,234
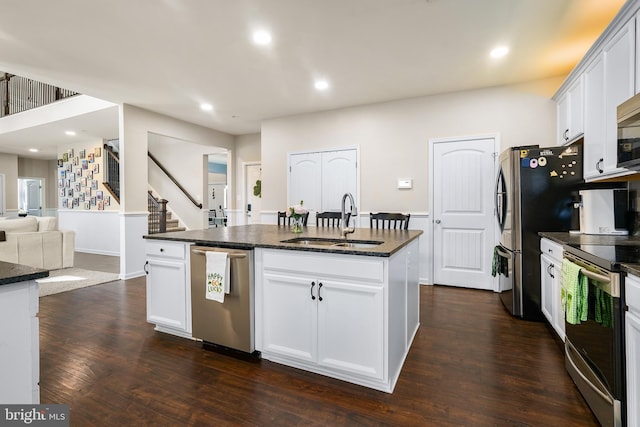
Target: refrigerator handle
499,200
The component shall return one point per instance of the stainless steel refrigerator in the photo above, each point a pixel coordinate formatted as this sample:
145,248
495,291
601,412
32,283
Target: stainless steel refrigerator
535,192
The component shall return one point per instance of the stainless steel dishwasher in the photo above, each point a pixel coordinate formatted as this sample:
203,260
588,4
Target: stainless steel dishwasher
226,326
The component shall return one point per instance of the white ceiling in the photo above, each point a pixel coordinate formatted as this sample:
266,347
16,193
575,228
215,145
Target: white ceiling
169,56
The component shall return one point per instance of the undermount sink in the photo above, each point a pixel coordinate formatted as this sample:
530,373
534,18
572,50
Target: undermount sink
337,243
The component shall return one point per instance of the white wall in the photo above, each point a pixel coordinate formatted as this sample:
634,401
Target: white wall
9,167
97,232
247,149
393,138
184,160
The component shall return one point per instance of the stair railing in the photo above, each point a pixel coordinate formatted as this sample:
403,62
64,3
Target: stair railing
163,169
157,214
20,94
112,172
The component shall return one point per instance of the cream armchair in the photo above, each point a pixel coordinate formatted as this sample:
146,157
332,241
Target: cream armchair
36,241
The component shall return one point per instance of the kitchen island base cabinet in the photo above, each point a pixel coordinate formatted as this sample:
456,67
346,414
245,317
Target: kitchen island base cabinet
169,287
19,343
350,317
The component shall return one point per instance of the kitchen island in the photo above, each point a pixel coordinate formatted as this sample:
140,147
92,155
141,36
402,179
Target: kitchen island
345,309
19,333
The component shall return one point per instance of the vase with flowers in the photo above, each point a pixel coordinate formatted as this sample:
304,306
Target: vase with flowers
296,213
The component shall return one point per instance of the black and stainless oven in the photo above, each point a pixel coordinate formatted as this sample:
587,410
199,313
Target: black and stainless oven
594,347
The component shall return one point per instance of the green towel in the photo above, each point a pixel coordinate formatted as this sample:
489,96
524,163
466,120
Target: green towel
603,308
575,290
500,265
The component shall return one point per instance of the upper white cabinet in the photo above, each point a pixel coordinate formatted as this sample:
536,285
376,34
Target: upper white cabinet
619,85
571,113
609,81
588,100
594,133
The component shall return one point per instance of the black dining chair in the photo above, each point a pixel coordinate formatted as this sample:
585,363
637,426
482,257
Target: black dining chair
331,219
387,220
284,220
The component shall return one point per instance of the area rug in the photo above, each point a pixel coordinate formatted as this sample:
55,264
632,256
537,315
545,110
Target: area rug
68,279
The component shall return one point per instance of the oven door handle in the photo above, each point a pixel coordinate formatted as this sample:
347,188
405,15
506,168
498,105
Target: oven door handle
595,276
599,392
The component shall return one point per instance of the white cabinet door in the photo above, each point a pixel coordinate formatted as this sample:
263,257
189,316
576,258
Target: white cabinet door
576,109
166,293
305,175
547,272
594,130
632,328
339,176
351,328
19,344
289,321
563,119
619,85
571,112
558,310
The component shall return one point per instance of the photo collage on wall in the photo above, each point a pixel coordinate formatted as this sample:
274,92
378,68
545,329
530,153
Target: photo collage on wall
78,177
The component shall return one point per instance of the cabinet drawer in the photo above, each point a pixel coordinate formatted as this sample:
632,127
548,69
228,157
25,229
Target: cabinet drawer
551,248
632,295
361,268
166,249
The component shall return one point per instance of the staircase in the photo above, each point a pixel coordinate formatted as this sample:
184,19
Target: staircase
160,218
172,224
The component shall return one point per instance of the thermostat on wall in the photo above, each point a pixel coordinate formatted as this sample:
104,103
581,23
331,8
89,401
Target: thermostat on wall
405,183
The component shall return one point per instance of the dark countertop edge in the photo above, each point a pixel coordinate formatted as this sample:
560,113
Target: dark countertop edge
633,269
564,239
236,245
15,273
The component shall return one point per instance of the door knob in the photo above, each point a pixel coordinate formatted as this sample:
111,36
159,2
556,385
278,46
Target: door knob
437,221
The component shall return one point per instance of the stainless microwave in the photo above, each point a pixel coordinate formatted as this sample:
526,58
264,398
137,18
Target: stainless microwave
629,133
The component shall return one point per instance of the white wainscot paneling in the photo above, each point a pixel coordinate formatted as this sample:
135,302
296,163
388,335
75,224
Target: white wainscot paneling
418,221
97,232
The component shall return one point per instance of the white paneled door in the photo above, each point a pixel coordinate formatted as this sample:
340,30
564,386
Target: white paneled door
463,212
322,178
305,176
339,176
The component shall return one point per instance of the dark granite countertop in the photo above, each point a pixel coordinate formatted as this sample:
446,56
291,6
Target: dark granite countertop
13,273
564,238
271,236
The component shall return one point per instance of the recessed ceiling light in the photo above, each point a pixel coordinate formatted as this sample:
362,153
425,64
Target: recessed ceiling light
321,85
70,133
206,107
33,150
499,51
262,38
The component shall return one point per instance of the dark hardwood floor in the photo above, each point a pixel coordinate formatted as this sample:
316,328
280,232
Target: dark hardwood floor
471,364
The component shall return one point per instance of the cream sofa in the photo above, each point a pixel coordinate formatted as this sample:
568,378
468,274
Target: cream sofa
37,242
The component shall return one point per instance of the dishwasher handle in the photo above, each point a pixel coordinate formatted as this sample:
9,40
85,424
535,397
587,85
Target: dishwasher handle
231,255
